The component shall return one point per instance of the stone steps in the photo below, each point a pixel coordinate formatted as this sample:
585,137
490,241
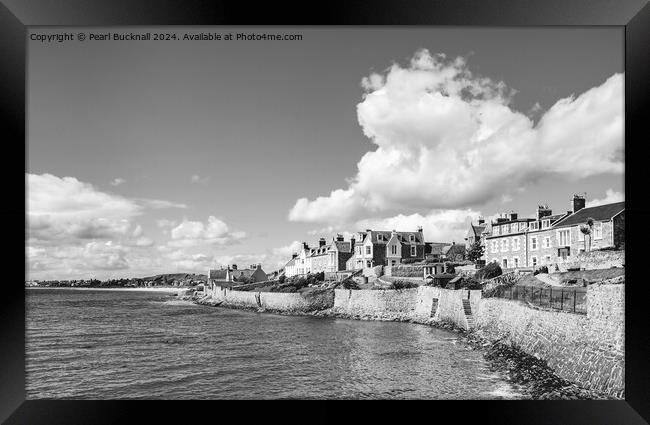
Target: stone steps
468,314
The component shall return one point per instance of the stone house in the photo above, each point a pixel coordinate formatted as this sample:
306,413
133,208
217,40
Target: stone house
553,238
331,257
454,252
381,248
231,275
506,244
476,232
563,240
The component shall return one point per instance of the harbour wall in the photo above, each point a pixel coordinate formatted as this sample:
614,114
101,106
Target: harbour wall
274,301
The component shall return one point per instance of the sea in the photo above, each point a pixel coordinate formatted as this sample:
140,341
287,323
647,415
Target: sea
103,344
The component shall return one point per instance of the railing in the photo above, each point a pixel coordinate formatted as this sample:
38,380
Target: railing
572,300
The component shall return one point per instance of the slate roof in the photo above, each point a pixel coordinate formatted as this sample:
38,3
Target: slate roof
342,246
403,237
456,249
290,263
217,274
434,247
478,229
599,213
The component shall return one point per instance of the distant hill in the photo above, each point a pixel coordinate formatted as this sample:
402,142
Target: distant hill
177,276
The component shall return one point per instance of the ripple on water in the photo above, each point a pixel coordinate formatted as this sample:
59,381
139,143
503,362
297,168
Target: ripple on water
106,345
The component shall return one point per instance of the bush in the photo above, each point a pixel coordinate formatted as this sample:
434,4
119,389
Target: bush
469,283
410,260
543,269
282,279
349,283
489,271
403,284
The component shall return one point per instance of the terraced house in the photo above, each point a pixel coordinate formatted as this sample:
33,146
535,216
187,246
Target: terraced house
554,238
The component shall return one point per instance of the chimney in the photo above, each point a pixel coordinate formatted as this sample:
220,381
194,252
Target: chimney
578,203
339,237
321,242
543,211
305,245
258,266
352,241
419,229
294,256
481,220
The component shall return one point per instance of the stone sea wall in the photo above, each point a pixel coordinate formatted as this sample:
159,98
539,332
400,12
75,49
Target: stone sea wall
586,349
275,301
595,260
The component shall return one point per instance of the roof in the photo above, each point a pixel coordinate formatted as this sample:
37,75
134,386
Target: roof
434,247
403,237
217,274
599,213
478,229
342,246
290,263
456,249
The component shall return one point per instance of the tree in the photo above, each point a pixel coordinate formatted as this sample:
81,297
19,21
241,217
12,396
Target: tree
587,230
475,251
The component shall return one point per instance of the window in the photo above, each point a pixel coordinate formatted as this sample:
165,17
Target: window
598,230
368,264
393,249
546,224
534,225
515,262
533,243
548,259
494,246
504,244
393,262
497,230
547,241
515,244
505,263
564,237
413,251
411,238
368,250
534,260
379,237
522,226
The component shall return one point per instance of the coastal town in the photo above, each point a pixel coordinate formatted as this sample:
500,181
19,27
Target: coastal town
548,291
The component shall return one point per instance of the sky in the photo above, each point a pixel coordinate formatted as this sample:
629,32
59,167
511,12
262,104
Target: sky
147,157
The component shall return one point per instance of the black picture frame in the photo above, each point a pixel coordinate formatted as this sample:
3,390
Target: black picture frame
17,15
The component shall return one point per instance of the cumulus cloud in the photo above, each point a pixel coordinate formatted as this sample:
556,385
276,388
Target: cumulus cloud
193,233
74,229
448,139
611,196
198,179
117,181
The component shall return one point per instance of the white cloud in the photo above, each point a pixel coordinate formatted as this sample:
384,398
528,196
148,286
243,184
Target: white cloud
117,181
198,179
194,233
160,203
448,139
163,222
611,196
75,230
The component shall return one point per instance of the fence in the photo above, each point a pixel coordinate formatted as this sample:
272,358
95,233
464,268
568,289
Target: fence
572,300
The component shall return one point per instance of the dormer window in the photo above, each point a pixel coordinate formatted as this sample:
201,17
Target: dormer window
379,237
546,224
534,225
411,238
